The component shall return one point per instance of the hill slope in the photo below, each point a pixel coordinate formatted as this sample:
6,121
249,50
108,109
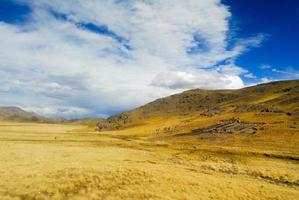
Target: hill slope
246,110
90,122
17,114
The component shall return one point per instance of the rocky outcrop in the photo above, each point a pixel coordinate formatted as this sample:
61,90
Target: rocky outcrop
229,126
210,112
113,123
256,108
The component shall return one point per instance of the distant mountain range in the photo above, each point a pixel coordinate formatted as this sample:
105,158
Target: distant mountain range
17,114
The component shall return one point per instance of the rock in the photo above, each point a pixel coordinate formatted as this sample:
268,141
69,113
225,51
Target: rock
229,126
256,108
210,112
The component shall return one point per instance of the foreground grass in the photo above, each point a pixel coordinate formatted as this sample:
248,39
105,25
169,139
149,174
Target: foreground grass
43,161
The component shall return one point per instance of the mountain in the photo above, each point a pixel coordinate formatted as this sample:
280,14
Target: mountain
17,114
20,115
272,106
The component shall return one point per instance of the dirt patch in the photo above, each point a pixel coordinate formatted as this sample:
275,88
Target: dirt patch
229,126
210,112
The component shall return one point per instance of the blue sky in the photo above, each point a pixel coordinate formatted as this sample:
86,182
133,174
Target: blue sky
78,58
279,20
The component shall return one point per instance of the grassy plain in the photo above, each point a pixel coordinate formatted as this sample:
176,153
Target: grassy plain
48,161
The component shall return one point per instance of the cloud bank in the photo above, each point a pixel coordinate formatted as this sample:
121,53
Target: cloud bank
77,58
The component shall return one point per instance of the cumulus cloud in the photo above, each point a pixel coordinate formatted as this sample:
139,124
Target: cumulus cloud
205,80
102,57
250,75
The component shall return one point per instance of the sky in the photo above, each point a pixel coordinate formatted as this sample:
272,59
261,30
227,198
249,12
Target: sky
96,58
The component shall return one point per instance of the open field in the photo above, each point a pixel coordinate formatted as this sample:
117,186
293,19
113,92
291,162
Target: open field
44,161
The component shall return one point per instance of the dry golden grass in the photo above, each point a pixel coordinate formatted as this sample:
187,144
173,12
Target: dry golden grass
47,161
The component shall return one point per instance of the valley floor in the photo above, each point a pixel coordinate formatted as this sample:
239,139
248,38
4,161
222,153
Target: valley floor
44,161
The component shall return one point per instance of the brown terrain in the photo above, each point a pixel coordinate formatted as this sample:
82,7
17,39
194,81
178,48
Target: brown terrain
224,144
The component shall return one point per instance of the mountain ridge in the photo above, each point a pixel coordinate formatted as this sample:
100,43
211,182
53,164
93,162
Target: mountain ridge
13,113
17,114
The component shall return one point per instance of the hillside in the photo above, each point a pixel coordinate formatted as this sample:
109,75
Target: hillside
247,110
17,114
90,122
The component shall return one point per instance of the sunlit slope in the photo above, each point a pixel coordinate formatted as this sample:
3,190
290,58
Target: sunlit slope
271,106
90,122
17,114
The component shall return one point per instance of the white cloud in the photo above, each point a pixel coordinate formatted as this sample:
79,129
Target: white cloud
265,66
205,80
231,69
289,72
150,49
265,80
54,110
250,75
